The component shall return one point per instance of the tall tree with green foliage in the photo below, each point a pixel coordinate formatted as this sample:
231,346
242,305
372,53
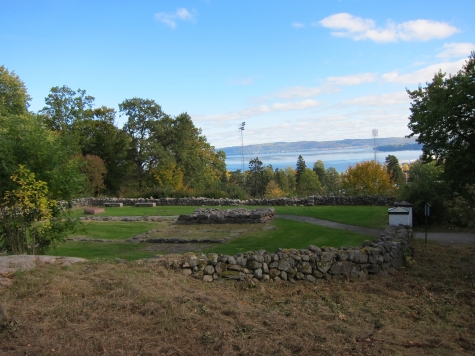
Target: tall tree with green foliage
14,99
300,167
394,169
142,126
426,186
100,137
332,182
256,178
443,119
309,183
24,140
65,109
319,169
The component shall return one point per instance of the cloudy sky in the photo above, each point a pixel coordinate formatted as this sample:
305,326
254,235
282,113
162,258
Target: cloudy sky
291,70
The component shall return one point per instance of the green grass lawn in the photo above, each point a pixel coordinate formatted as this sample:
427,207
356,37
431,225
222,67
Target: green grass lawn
102,250
116,230
286,234
375,217
290,234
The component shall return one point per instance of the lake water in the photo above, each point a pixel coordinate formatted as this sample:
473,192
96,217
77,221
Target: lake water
339,159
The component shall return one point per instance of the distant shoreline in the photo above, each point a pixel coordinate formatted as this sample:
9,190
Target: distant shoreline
383,144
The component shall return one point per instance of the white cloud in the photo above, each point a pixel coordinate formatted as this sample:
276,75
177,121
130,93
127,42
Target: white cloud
425,74
262,109
379,100
357,28
170,18
298,92
353,79
298,24
456,50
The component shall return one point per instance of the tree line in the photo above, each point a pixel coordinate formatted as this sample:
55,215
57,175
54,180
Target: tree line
75,146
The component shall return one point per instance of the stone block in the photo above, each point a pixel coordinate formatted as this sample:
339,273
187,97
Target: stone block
93,211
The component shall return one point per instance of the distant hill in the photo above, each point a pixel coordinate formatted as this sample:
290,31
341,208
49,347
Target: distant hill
384,144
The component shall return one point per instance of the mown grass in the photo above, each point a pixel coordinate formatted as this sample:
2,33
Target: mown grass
130,309
290,234
278,234
375,217
367,216
104,251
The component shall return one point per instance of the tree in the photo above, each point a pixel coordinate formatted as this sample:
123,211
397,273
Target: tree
256,175
292,178
66,108
319,169
201,165
443,117
273,190
14,99
94,170
426,186
25,140
367,178
462,208
142,126
282,180
309,183
100,137
300,167
332,181
394,169
30,222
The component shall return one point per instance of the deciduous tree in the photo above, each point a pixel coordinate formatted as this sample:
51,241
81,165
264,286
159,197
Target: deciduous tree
143,116
309,183
14,99
443,119
367,178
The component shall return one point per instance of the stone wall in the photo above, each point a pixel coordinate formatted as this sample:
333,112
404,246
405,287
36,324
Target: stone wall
228,216
312,200
384,255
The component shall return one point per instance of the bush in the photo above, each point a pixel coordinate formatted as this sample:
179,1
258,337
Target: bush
30,222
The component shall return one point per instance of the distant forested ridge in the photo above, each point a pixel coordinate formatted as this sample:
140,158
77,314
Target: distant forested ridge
404,147
383,144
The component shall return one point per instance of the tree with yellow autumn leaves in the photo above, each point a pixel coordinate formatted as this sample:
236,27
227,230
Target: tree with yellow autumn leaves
367,178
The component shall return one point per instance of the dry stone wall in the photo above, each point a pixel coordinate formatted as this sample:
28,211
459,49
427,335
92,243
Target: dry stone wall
228,216
384,255
308,201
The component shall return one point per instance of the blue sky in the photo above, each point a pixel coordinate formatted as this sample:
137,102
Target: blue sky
292,70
